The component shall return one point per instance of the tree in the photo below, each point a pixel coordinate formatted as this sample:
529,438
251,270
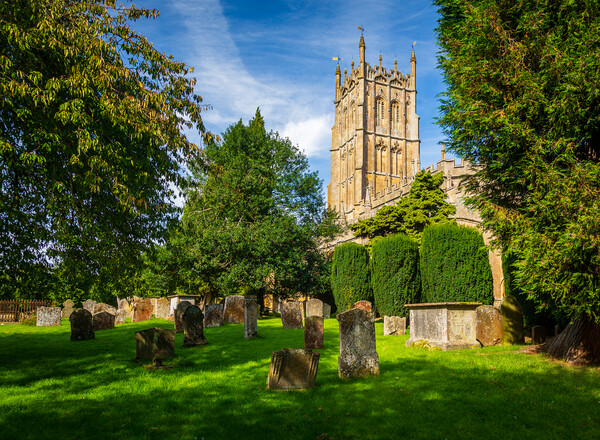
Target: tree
91,135
424,205
254,216
350,275
523,101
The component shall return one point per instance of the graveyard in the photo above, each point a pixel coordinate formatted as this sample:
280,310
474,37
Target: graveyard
54,388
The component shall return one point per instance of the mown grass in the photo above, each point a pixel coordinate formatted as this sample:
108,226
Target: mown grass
53,388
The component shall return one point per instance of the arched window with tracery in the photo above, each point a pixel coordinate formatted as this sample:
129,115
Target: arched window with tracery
396,115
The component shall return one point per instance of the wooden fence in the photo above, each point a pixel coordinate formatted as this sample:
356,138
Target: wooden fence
14,310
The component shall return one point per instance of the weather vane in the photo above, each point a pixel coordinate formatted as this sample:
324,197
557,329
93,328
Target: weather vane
338,59
361,29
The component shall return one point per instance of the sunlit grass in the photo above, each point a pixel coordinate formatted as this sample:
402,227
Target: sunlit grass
53,388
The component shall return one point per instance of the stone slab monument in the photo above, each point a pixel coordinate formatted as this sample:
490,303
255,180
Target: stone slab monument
162,308
193,327
89,305
512,321
314,307
250,318
394,325
538,334
488,324
142,310
292,314
68,308
123,304
48,316
179,311
313,332
363,304
103,307
153,342
82,326
233,312
293,368
121,316
326,311
103,321
358,351
213,315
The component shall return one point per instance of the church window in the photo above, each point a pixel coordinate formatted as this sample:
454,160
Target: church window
396,115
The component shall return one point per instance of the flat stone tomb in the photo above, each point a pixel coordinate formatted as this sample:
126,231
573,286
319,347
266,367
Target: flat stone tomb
488,325
82,326
193,327
291,314
394,325
103,321
314,307
48,316
213,315
153,342
233,312
180,309
358,351
68,308
313,332
250,318
449,325
293,368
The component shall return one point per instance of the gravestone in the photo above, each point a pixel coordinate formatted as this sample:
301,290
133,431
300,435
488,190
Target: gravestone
233,312
538,334
293,368
121,316
193,327
512,321
123,304
142,310
213,315
313,332
365,305
291,314
182,306
102,307
358,352
163,307
153,342
82,327
68,308
250,318
48,316
103,321
326,311
314,307
488,325
89,305
394,325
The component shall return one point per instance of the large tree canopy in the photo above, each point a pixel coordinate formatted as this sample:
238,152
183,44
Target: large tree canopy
91,135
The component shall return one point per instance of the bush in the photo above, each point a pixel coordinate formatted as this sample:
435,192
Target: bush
395,274
31,320
455,265
350,275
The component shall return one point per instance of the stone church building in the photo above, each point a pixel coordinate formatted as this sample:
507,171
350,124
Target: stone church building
375,150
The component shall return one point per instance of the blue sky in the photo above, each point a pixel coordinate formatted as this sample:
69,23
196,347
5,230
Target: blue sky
277,55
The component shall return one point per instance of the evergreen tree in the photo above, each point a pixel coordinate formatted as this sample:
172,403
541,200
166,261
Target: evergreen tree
350,275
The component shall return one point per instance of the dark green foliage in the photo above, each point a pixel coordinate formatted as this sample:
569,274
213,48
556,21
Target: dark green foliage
350,275
455,265
395,274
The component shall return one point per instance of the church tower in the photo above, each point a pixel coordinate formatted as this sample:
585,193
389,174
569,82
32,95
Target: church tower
375,138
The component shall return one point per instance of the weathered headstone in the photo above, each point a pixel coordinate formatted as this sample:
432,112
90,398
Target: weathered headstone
394,325
153,342
48,316
293,368
121,316
103,307
182,306
363,304
104,321
89,305
538,334
213,315
163,307
142,310
313,332
512,321
326,311
82,327
314,307
250,318
488,324
358,352
123,304
291,314
193,327
68,308
233,312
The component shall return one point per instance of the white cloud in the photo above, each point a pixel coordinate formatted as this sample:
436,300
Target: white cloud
313,135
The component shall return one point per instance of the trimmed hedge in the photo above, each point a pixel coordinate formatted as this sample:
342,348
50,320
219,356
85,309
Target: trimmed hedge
350,275
395,274
455,265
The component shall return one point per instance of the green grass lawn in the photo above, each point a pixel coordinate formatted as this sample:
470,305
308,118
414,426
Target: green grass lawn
53,388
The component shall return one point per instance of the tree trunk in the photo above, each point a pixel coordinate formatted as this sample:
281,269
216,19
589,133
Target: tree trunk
579,343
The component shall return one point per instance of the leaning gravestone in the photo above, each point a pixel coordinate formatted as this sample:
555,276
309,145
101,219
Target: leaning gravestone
291,314
82,327
182,306
293,368
89,305
358,353
365,305
193,327
153,342
121,316
103,321
314,307
163,306
488,325
213,315
394,325
68,308
103,307
512,321
142,310
48,316
326,311
233,312
313,332
538,334
250,318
